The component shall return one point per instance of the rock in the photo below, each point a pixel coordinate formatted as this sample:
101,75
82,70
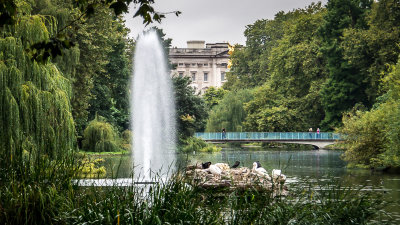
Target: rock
238,178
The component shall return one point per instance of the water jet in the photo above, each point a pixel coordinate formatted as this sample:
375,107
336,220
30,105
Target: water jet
152,110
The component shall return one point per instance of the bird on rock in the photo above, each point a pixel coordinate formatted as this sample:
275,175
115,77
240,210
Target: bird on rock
259,170
236,164
215,170
277,176
205,165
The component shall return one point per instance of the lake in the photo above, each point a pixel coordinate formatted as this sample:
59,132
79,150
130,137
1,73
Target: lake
299,167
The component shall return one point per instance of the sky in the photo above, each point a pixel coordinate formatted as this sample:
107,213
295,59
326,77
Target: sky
211,20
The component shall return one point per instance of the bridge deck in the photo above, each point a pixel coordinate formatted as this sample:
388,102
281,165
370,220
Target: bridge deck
319,140
269,136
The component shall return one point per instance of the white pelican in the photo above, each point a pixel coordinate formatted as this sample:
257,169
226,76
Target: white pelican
215,170
277,176
223,166
260,171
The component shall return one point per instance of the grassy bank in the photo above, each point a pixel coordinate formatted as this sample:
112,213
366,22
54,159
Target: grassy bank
261,146
337,146
103,153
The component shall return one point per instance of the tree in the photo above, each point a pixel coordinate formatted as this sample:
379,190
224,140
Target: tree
100,136
345,85
191,109
212,96
371,50
59,41
35,110
268,112
110,89
250,63
297,67
372,137
229,113
93,40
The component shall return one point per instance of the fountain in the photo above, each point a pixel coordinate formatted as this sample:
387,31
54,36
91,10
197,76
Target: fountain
152,109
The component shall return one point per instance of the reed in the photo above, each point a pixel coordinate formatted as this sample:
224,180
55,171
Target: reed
46,195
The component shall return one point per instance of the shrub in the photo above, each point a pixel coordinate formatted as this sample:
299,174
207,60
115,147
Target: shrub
100,136
192,144
90,168
210,148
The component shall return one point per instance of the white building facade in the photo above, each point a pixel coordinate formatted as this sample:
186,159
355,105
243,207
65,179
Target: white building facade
205,64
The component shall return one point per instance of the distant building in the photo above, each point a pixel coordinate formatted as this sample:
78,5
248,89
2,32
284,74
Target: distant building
205,65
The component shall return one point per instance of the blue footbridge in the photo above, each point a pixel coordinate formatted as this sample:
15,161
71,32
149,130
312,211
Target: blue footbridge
311,138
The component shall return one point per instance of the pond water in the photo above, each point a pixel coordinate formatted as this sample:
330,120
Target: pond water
299,166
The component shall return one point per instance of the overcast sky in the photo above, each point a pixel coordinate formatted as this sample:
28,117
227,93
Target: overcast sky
212,20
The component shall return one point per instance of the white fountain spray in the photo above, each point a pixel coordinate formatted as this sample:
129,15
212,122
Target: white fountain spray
153,109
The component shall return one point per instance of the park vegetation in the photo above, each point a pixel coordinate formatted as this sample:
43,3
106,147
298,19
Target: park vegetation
331,67
64,75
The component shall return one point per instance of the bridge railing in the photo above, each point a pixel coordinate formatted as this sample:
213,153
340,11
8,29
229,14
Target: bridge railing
268,136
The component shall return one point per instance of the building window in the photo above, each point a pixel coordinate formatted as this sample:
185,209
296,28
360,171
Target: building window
180,74
205,64
193,77
224,65
205,76
222,76
180,64
193,64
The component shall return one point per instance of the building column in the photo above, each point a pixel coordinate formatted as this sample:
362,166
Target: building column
214,71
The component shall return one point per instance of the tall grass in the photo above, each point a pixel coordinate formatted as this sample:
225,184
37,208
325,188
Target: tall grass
51,198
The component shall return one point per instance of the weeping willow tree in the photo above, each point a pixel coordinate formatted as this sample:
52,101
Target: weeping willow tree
35,111
100,136
229,113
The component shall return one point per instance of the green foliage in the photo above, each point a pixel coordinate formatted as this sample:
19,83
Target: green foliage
60,41
126,140
110,90
191,110
212,96
365,137
229,113
371,50
373,137
318,62
268,111
35,98
89,168
91,74
346,85
250,64
283,60
100,136
193,144
298,69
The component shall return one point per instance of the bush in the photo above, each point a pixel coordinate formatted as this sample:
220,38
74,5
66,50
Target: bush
90,168
100,136
192,144
210,148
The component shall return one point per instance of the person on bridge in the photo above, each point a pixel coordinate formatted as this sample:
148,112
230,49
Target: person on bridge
318,132
223,133
310,132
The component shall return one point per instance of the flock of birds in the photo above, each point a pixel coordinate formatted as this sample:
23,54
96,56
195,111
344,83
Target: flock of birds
220,168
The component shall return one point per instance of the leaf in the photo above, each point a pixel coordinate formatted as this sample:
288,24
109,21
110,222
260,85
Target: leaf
119,7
